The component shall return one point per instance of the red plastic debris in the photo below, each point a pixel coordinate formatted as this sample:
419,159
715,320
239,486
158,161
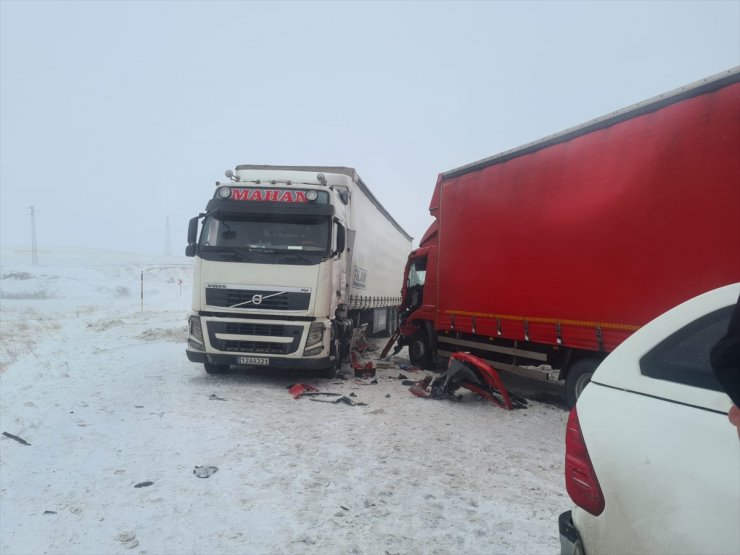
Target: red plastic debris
491,381
471,372
299,389
421,388
362,368
365,372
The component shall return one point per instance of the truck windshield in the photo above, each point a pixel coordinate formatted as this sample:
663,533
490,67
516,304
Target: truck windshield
268,233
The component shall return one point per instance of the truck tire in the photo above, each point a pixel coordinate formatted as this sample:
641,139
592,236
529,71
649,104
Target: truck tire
215,368
336,351
420,352
578,377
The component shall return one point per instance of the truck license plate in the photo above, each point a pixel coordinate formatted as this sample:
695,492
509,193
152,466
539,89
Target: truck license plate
257,361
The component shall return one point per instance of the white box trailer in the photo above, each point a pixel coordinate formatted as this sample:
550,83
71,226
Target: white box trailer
289,261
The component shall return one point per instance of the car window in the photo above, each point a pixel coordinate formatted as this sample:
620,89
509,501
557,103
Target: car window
683,357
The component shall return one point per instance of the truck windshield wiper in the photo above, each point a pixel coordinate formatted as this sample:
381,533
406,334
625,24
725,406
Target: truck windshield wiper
266,250
225,251
293,256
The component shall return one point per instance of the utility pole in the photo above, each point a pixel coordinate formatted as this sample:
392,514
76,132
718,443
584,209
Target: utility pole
167,246
34,248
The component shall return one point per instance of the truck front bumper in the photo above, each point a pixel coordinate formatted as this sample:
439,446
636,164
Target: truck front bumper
276,363
570,539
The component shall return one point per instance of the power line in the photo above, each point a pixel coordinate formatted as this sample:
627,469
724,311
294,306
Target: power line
34,247
167,245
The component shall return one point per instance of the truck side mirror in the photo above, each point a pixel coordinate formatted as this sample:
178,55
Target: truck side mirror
192,236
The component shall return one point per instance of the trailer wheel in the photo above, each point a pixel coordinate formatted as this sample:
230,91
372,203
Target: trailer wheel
215,368
420,353
578,377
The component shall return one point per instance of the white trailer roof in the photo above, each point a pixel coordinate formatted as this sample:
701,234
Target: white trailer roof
343,170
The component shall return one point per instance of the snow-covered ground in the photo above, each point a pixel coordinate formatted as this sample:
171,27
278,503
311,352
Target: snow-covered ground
104,394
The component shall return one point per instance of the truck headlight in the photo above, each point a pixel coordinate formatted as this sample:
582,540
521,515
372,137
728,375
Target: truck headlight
195,335
314,341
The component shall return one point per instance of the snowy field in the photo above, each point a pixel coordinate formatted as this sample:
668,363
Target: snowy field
104,395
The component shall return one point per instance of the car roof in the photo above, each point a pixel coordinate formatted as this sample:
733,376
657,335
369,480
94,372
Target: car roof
621,368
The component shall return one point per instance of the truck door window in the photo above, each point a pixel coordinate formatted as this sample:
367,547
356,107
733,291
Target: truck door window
415,285
417,272
209,235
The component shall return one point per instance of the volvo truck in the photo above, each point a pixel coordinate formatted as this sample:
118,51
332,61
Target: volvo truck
290,262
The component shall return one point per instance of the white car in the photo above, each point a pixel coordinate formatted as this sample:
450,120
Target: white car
652,462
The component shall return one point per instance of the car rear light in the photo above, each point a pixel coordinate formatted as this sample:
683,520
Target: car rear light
580,478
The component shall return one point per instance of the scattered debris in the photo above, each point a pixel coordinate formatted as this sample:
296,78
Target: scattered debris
299,389
303,390
471,372
408,382
50,512
342,399
383,364
343,507
353,394
138,406
387,395
365,372
359,341
391,341
144,484
421,388
362,369
128,539
408,367
18,439
215,397
205,471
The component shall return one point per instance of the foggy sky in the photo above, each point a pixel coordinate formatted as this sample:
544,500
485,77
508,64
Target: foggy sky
117,115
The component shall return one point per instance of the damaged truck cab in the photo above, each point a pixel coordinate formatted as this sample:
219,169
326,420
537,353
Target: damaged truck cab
289,262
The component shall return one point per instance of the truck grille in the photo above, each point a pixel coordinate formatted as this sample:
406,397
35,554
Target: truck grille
228,298
248,328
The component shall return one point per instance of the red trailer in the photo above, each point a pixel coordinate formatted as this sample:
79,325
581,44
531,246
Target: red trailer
551,254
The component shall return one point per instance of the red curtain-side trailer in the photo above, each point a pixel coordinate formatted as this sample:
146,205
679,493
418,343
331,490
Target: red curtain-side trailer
551,254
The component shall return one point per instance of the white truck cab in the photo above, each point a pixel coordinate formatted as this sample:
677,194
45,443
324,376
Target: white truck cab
289,260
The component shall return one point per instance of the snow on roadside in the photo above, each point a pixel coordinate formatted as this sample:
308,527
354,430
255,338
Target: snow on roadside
108,401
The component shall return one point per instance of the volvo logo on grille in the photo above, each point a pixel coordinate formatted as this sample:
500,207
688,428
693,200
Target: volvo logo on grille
257,299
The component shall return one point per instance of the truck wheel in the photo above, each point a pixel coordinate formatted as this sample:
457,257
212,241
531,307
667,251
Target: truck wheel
215,368
578,377
333,370
337,352
420,353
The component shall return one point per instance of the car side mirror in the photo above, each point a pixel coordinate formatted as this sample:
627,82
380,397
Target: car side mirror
190,250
